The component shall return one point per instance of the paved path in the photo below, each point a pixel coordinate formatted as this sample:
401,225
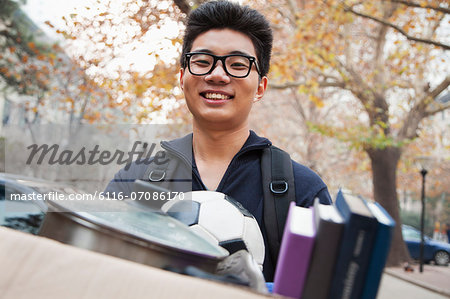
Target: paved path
395,288
434,282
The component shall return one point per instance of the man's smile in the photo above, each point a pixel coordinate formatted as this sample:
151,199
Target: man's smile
216,95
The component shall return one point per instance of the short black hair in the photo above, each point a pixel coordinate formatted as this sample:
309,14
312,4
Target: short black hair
228,15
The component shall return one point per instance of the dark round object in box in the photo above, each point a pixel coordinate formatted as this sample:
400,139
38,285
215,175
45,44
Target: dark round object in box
126,230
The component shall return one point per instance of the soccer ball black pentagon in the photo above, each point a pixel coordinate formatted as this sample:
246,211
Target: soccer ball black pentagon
219,219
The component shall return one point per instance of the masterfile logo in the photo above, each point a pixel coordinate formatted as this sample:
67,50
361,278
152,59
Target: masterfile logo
89,156
83,156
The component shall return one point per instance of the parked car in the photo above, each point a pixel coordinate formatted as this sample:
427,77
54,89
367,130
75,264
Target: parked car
25,215
436,251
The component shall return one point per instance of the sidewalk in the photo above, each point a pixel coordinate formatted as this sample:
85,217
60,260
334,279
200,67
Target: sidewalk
434,282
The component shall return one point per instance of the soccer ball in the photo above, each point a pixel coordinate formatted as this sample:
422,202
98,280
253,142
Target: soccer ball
220,219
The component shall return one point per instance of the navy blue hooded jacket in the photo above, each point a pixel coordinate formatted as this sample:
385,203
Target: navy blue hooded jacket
242,181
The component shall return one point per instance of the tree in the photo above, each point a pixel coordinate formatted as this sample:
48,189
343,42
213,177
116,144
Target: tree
434,144
385,56
291,116
20,51
106,36
34,65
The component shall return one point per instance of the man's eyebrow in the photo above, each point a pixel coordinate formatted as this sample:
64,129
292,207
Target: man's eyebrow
202,50
240,52
232,52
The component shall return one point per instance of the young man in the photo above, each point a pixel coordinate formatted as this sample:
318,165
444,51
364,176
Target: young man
224,63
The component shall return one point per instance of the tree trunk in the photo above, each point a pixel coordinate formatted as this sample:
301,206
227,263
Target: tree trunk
384,169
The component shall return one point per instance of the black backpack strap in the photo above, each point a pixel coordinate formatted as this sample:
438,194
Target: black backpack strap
161,174
279,191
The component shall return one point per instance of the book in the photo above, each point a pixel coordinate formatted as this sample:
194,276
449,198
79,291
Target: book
329,226
355,248
295,252
380,250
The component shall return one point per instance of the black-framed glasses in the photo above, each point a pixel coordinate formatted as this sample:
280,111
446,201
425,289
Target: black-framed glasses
235,65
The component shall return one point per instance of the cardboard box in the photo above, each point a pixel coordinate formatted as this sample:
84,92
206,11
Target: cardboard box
37,267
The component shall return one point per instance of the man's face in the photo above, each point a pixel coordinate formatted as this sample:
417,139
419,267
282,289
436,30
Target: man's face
217,100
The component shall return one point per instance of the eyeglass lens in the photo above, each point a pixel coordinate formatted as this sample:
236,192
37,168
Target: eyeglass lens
201,64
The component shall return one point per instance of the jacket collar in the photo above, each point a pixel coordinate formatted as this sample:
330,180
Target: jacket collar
255,142
182,147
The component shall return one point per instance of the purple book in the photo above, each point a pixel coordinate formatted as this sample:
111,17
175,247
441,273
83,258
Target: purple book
295,252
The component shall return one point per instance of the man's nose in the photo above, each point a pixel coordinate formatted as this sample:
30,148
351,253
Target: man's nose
218,74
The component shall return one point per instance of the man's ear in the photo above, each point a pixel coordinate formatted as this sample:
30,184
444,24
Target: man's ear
182,79
262,85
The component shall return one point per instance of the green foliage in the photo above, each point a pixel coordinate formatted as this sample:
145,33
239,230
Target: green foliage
2,154
358,136
7,8
413,219
436,210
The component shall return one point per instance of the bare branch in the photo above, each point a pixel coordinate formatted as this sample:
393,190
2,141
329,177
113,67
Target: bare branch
298,83
326,77
437,107
427,106
183,5
436,25
426,6
400,30
281,12
293,7
298,106
380,42
440,88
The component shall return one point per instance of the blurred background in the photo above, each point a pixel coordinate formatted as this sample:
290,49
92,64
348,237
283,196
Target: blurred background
358,90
